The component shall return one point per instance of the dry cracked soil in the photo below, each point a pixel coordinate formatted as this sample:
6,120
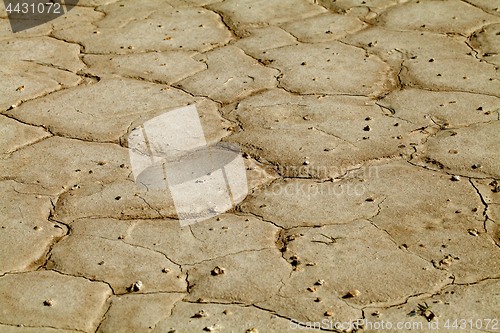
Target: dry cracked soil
370,135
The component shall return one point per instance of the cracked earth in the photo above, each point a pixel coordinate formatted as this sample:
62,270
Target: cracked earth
370,132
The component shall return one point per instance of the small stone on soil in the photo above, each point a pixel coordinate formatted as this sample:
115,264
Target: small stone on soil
218,271
212,328
353,293
136,286
200,314
473,232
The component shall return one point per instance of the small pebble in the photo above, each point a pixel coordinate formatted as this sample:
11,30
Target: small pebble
166,270
476,166
353,293
252,330
328,313
366,128
318,300
37,228
376,313
312,289
218,271
306,163
200,314
136,286
455,178
227,312
48,302
320,282
212,328
473,232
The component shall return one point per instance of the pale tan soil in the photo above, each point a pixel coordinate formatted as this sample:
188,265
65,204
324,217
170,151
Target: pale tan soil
371,137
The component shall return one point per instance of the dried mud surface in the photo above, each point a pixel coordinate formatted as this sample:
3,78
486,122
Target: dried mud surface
370,132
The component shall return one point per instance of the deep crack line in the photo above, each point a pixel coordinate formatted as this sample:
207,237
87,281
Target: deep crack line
483,201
